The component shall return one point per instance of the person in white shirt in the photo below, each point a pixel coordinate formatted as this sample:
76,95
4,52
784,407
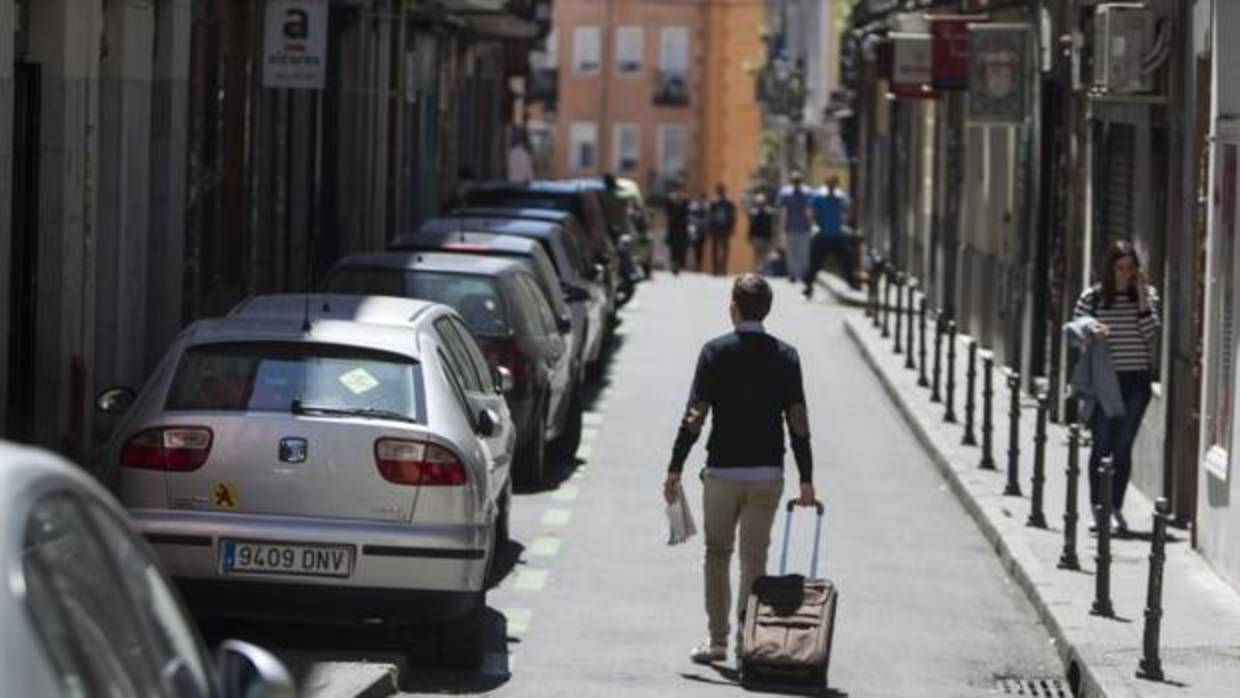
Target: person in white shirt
520,164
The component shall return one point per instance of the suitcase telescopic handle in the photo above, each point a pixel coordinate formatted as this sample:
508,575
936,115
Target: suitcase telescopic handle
783,557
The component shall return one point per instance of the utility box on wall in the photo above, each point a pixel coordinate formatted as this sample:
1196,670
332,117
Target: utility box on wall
1125,55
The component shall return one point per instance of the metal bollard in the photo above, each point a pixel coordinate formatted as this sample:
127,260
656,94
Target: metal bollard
935,396
1102,522
988,403
909,362
1013,466
900,284
886,305
949,415
970,439
875,278
1037,518
922,380
1068,559
1150,666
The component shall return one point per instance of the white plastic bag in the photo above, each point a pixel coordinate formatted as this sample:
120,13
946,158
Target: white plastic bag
680,524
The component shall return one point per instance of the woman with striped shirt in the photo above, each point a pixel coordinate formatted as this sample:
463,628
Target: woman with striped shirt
1125,310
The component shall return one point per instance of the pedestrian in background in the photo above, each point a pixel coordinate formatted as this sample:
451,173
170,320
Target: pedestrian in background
751,382
794,203
761,229
829,204
520,163
699,223
722,215
677,210
1124,310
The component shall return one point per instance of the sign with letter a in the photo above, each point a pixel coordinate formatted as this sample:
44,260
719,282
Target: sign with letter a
295,44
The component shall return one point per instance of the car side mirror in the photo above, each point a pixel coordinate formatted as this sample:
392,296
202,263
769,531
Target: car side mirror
575,294
488,423
115,400
249,671
564,323
503,380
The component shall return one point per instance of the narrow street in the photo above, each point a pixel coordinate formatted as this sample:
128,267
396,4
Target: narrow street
595,603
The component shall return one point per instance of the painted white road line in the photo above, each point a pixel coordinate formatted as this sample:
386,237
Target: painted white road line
565,493
591,419
557,517
531,580
584,451
545,546
518,620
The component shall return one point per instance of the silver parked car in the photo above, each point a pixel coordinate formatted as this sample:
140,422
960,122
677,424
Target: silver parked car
85,607
339,459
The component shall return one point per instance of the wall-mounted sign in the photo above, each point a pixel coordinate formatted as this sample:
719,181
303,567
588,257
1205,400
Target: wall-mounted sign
999,64
911,63
295,44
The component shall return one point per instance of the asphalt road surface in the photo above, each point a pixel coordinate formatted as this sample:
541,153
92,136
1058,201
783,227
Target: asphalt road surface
592,602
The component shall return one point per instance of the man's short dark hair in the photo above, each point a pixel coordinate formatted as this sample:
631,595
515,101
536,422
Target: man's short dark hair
752,296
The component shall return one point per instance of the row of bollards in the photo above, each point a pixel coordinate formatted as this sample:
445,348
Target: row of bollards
910,339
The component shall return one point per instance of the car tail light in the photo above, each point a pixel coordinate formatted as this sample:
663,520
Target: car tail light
507,353
418,463
174,449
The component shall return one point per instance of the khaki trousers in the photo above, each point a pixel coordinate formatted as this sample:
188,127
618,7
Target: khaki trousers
726,504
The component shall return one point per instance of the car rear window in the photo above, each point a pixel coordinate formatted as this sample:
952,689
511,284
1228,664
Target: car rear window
476,298
269,376
521,199
366,281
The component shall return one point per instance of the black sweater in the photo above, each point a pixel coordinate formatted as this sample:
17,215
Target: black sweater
748,380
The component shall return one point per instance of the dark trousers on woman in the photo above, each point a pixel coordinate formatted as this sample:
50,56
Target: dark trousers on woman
678,248
1115,436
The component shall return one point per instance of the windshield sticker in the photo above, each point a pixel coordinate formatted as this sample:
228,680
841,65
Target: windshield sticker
359,381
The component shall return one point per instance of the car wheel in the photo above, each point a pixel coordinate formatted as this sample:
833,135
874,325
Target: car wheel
570,439
461,642
531,461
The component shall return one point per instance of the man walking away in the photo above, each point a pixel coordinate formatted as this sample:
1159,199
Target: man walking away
677,211
699,225
794,202
830,204
761,230
752,383
722,223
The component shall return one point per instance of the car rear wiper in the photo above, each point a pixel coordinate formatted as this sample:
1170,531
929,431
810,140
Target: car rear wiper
298,407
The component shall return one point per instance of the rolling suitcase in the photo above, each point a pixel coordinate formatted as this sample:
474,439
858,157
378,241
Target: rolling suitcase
789,623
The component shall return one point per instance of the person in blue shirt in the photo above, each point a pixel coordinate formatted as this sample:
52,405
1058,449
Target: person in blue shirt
830,208
794,203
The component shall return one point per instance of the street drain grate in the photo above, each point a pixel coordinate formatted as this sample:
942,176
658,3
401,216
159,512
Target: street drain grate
1043,687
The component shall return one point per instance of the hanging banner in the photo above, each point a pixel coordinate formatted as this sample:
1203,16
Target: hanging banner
999,63
950,34
295,44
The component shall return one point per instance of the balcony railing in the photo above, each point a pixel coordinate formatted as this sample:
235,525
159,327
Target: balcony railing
671,88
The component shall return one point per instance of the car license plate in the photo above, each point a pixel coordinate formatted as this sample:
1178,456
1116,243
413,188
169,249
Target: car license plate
259,557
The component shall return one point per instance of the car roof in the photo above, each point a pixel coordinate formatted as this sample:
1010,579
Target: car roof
493,224
381,323
432,238
433,261
515,213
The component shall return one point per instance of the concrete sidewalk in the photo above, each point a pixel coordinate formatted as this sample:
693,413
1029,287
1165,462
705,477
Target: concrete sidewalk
1200,648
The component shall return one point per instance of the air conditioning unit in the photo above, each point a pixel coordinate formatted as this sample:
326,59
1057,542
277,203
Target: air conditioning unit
1124,44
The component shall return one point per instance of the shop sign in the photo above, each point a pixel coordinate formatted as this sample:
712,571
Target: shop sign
999,62
295,44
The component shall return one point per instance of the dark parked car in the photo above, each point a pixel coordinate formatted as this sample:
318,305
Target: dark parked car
572,197
506,311
581,280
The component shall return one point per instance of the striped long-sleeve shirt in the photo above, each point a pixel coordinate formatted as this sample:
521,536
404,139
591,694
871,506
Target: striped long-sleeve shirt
1133,338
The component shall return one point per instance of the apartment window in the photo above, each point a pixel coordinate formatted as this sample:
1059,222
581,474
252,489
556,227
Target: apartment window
630,42
628,146
583,146
1222,303
672,88
673,141
586,50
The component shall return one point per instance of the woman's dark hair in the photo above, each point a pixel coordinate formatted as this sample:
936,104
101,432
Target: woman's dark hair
752,296
1116,251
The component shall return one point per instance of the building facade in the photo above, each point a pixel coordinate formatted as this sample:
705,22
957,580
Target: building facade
658,92
160,160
